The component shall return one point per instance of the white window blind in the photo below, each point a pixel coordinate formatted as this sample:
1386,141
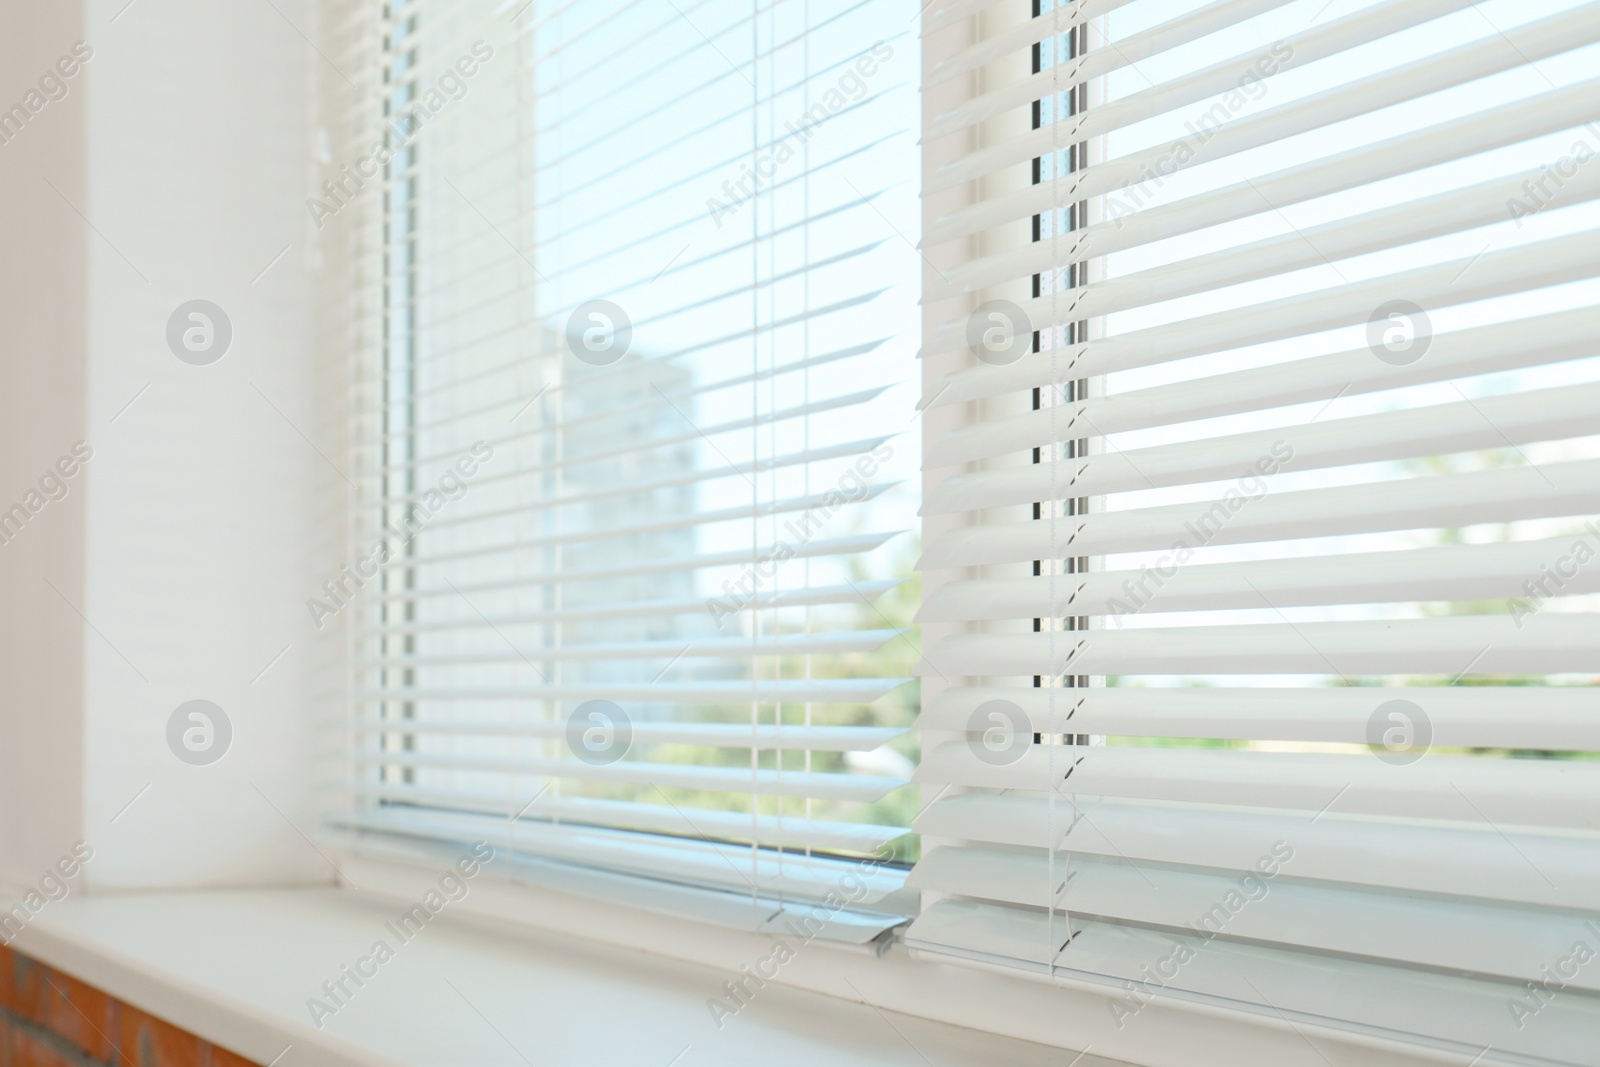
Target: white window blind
1260,547
639,317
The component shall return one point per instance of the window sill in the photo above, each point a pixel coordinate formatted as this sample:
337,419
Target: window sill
514,974
237,969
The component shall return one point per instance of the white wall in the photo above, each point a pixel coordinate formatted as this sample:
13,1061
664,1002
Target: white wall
43,352
197,523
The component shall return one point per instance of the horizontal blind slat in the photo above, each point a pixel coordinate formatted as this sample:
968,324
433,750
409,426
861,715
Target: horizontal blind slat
1506,494
768,783
719,735
1498,571
1444,858
791,832
1499,346
1501,792
1466,425
1487,644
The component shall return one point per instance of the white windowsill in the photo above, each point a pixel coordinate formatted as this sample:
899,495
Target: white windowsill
542,977
237,967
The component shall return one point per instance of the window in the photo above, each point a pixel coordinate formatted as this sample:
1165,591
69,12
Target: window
1260,633
1251,453
636,447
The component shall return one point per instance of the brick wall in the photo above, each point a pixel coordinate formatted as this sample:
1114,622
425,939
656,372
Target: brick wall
50,1019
